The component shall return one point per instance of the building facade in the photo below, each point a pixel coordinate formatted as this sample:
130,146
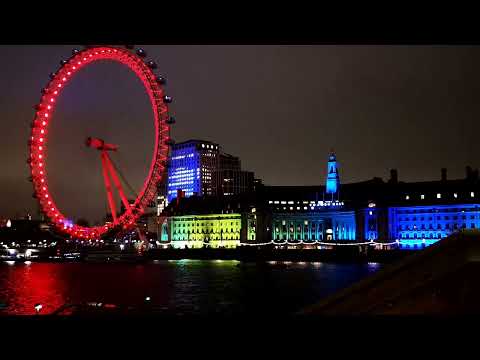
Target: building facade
213,230
404,215
193,168
200,168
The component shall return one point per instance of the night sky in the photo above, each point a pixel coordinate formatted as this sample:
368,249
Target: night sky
280,108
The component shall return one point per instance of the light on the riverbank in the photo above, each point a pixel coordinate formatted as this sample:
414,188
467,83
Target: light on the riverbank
38,307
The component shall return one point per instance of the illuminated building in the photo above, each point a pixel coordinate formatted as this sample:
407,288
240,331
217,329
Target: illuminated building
311,214
418,214
301,214
392,213
418,226
215,222
200,168
310,226
192,168
195,231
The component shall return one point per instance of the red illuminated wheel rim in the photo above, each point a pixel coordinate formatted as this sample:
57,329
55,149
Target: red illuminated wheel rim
44,115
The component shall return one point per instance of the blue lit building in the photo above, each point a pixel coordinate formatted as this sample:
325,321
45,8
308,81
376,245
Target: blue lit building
310,226
418,226
415,215
193,168
311,213
199,167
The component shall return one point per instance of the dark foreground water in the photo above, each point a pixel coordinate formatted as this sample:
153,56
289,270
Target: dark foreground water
177,287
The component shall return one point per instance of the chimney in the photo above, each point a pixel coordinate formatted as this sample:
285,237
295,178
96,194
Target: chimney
393,176
444,174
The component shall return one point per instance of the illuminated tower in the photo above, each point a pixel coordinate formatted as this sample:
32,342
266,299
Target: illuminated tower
333,181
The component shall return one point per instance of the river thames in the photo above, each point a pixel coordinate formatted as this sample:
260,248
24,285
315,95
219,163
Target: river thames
179,287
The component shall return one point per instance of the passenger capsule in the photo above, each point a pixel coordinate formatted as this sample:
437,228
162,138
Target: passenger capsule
161,80
152,65
141,53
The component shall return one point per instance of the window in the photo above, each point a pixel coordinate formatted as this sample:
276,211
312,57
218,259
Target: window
439,196
472,194
422,196
455,195
472,226
407,197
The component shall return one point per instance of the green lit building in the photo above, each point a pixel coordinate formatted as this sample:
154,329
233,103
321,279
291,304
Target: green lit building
196,231
214,222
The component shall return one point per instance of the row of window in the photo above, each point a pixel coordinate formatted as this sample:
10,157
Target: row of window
310,203
422,235
430,218
439,196
442,210
203,231
439,227
188,224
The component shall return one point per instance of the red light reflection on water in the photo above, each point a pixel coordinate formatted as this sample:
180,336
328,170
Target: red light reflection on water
35,284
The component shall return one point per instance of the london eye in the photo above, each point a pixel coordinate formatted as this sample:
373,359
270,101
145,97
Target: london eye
44,119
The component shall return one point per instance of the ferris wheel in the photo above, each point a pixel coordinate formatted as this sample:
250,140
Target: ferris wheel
44,116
